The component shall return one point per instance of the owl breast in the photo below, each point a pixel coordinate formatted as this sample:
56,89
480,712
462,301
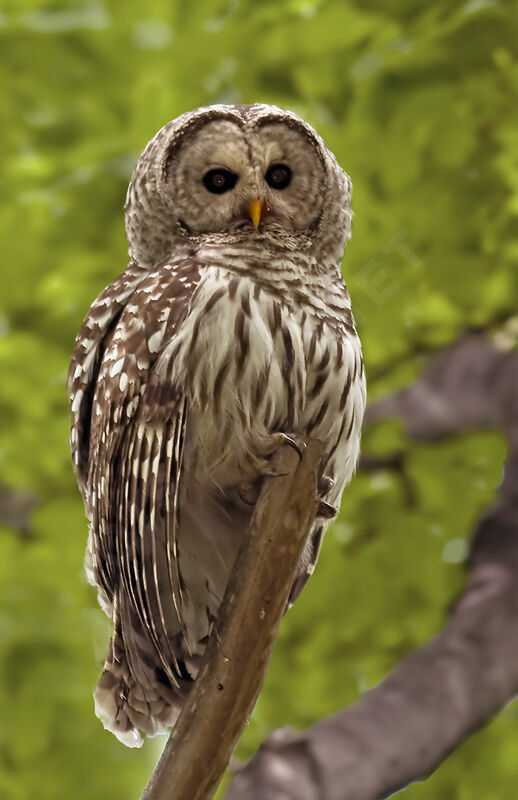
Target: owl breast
254,362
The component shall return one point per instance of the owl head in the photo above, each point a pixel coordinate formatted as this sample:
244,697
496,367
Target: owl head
237,174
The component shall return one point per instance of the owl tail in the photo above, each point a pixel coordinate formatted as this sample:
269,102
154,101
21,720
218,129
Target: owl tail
130,700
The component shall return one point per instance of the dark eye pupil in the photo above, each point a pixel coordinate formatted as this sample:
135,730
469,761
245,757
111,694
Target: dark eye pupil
219,180
278,176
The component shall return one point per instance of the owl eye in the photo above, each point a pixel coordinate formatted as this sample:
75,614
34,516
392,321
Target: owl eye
278,176
219,180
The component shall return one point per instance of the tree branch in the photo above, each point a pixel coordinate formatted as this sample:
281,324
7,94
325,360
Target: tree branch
237,656
402,729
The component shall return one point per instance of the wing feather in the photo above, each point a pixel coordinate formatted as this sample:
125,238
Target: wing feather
174,460
102,316
155,458
134,451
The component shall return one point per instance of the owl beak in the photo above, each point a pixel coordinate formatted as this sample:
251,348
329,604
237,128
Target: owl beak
255,210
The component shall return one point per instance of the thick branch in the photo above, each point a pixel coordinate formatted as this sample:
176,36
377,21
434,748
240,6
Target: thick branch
234,666
470,385
402,729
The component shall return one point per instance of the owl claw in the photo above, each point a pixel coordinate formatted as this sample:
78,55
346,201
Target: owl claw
326,510
298,444
325,484
272,443
269,445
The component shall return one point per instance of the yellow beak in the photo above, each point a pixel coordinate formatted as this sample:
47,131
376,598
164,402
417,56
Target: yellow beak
254,211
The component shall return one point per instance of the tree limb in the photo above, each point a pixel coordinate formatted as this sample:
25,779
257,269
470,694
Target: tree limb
402,729
237,656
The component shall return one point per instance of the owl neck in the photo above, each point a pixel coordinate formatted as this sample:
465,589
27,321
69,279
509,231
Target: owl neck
295,275
259,258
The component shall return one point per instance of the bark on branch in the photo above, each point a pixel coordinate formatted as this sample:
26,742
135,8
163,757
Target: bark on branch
402,729
234,666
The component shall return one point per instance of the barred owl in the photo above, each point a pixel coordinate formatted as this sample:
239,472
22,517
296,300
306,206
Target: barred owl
229,332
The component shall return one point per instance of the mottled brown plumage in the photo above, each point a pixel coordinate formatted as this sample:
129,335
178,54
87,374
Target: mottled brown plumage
220,337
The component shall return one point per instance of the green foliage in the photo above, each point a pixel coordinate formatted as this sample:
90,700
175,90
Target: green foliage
419,102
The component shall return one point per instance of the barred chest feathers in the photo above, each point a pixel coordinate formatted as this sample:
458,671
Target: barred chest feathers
253,360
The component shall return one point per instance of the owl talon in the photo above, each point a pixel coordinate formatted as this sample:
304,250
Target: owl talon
299,445
326,510
325,484
272,443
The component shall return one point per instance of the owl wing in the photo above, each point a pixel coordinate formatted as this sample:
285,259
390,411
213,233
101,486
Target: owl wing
89,347
134,453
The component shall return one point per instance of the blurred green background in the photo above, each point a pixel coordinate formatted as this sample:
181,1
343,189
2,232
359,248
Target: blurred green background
420,104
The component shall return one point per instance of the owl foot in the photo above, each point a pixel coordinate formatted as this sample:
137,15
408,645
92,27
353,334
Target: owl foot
324,485
269,445
326,510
